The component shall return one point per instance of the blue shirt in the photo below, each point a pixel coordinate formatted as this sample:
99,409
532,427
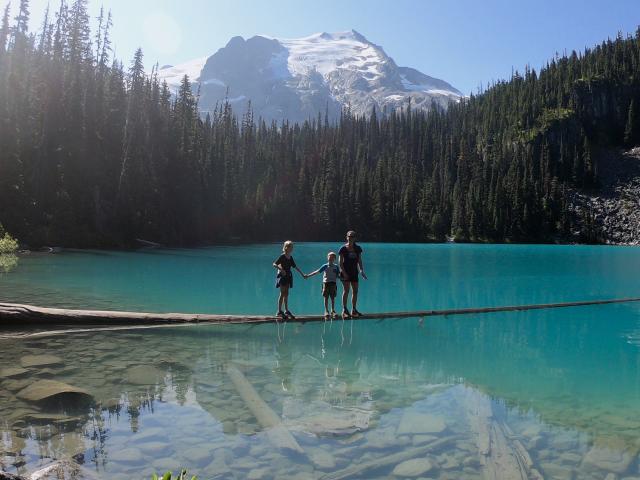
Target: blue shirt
330,272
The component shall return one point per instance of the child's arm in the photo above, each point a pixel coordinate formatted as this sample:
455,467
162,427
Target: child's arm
277,265
315,272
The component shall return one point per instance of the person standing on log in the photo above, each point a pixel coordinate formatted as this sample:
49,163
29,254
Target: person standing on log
350,264
284,280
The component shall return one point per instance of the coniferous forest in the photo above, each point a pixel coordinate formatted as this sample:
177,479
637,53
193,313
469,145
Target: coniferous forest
94,153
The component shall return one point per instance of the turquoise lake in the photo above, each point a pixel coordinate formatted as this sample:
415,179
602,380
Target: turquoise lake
536,394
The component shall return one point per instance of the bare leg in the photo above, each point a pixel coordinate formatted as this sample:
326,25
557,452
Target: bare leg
354,295
326,305
285,297
345,294
280,298
333,304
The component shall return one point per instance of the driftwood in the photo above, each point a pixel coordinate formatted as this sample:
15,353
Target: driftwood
387,461
501,455
267,418
18,314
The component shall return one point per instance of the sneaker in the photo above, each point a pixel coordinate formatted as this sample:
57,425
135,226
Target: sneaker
327,315
333,314
345,313
355,313
289,314
280,314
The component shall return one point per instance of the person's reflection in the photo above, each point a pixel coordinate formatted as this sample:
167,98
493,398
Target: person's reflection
284,364
338,359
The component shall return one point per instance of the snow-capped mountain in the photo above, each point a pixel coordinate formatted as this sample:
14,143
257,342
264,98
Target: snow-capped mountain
296,79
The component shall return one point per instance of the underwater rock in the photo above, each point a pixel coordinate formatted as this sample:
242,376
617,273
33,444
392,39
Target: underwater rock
12,445
554,471
413,468
130,456
608,459
155,448
258,474
198,456
421,439
417,423
12,372
44,389
63,469
321,458
332,423
144,375
40,360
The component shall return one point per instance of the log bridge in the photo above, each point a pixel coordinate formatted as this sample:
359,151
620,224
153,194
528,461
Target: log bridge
18,315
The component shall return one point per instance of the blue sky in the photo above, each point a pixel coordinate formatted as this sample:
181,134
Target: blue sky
467,43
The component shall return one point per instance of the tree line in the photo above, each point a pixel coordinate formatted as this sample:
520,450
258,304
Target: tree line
96,154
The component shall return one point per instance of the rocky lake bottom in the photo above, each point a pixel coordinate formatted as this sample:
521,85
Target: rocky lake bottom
123,405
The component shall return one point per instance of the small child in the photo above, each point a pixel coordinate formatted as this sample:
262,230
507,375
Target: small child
284,279
330,271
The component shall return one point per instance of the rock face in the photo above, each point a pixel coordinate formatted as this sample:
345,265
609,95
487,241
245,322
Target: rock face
297,79
610,213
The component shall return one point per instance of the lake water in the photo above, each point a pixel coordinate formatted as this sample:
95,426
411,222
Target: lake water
537,394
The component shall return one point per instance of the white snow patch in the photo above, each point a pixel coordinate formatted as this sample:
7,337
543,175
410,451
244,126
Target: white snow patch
174,75
327,52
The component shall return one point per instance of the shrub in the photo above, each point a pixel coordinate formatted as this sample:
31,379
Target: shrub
8,244
169,476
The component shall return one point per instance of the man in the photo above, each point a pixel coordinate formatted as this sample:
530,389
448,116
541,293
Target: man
350,263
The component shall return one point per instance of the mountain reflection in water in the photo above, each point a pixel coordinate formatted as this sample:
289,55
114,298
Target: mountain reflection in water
561,385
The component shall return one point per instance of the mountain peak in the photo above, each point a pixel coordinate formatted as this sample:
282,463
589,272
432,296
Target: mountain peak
297,78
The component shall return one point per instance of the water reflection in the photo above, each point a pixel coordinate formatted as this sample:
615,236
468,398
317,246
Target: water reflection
540,385
8,262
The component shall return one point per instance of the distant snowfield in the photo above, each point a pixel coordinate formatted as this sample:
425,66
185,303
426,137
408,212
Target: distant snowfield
173,75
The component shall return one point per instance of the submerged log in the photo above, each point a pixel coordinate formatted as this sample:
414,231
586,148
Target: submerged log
18,314
501,455
267,418
361,469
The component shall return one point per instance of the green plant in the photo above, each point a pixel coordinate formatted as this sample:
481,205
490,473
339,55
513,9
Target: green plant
8,262
8,244
169,476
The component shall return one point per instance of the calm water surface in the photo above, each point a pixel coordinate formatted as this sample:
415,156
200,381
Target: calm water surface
539,394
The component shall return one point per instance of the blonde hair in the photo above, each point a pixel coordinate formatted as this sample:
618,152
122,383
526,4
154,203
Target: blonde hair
331,254
286,245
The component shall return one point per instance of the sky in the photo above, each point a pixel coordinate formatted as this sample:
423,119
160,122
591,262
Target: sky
468,43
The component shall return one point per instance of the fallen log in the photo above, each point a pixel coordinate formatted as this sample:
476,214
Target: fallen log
501,455
267,418
19,314
363,468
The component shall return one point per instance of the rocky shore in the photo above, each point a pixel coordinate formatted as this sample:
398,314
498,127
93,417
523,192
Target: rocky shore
610,214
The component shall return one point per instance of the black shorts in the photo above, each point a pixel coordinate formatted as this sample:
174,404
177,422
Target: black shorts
329,290
284,281
353,276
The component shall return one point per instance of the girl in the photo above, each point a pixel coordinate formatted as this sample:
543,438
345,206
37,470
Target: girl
284,279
